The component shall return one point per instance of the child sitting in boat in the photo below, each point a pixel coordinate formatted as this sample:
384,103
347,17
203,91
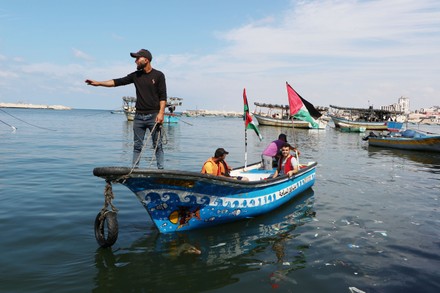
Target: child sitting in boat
288,163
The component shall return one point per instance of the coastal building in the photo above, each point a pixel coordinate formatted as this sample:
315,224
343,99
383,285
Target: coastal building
402,105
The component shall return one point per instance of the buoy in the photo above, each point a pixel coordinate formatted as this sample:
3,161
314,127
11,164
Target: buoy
109,219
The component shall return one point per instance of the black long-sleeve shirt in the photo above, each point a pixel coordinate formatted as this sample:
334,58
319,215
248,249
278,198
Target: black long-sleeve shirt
150,89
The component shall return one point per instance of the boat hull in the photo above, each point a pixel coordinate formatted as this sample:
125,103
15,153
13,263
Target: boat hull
179,201
170,118
342,122
130,115
349,128
416,144
269,121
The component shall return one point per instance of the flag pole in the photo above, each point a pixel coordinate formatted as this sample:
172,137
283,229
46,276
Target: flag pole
293,127
245,148
248,123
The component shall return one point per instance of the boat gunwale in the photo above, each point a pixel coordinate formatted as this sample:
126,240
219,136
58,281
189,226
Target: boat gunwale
357,123
280,121
119,175
429,143
366,110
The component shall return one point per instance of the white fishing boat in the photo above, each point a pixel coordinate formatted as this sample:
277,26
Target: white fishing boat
278,115
129,108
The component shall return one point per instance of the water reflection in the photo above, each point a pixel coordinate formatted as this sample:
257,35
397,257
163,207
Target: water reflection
170,262
427,159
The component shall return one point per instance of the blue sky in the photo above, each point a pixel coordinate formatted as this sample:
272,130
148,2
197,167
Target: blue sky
347,53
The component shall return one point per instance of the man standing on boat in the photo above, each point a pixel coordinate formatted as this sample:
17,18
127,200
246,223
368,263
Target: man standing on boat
151,99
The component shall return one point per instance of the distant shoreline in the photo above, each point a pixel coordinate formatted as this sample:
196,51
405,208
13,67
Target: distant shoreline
33,106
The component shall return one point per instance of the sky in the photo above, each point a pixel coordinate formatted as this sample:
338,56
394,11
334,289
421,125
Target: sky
348,53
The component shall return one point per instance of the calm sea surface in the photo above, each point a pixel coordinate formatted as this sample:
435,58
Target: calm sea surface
371,222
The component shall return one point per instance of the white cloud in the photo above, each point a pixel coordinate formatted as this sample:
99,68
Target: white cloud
343,52
81,55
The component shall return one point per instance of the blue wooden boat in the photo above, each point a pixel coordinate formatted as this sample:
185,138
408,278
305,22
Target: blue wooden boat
185,200
171,118
406,140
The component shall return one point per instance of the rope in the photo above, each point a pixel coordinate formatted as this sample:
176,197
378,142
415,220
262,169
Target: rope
108,197
13,127
161,136
27,122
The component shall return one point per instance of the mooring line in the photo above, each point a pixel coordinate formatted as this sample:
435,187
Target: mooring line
13,127
26,122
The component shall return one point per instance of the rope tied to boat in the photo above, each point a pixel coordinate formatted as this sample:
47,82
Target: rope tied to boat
161,136
108,197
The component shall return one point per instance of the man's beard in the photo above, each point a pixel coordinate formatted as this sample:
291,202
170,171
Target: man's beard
141,66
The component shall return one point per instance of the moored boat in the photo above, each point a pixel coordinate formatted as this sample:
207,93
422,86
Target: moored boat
172,103
406,140
344,127
184,200
371,119
273,121
367,125
278,115
129,108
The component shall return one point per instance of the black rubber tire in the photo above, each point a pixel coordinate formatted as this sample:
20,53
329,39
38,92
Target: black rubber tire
110,220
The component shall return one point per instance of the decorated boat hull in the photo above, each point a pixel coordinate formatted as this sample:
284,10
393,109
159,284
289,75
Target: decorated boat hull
180,200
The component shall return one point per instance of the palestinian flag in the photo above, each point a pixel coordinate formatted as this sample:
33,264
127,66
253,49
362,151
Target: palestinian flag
301,109
248,123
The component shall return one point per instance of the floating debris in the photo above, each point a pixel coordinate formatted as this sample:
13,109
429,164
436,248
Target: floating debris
254,264
355,290
384,233
218,245
345,221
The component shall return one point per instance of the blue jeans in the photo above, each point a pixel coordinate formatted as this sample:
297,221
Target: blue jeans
141,123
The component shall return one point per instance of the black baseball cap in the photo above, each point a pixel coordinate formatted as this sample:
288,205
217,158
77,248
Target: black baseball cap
220,152
142,53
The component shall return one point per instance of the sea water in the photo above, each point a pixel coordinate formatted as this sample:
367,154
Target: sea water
369,224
